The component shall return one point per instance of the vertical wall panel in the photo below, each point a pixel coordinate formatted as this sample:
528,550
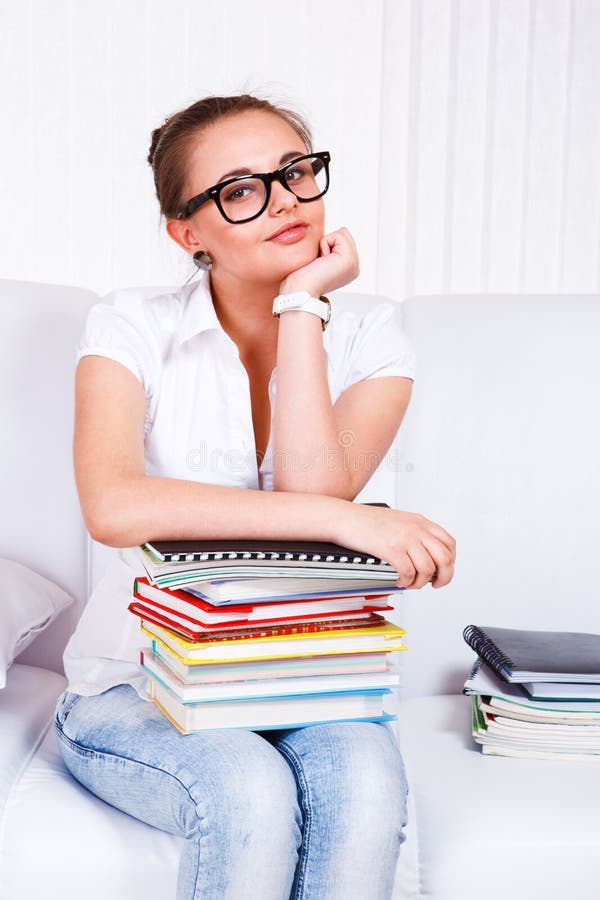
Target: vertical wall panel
412,139
90,170
491,78
506,182
166,35
207,49
467,137
566,144
49,179
395,248
135,221
541,227
17,149
582,206
430,171
347,119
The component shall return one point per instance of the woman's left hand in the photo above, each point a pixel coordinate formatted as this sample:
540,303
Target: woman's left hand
336,266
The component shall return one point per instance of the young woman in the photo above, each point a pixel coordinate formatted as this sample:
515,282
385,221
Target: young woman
177,406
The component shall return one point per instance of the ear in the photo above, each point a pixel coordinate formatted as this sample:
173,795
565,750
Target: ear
187,238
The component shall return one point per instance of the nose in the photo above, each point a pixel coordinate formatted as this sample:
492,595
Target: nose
281,200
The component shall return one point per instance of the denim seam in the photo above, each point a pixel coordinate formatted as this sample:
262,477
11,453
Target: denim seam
59,707
298,770
87,752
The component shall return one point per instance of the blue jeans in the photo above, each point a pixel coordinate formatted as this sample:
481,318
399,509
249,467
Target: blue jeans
315,813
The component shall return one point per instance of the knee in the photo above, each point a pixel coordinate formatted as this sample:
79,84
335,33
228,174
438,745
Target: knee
246,799
380,791
356,767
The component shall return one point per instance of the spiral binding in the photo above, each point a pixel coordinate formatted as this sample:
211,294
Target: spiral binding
487,650
258,554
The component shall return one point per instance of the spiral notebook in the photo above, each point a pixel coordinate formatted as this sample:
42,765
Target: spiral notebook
518,656
265,550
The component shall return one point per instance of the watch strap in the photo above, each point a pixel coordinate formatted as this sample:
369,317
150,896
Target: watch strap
302,300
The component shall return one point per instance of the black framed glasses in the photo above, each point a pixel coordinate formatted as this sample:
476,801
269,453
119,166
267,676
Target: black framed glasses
246,197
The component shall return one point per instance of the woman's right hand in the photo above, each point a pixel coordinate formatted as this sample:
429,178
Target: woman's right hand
418,549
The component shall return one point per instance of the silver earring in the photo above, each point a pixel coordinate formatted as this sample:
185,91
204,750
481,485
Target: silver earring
202,260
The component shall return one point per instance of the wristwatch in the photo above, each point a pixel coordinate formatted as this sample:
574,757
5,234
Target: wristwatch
304,301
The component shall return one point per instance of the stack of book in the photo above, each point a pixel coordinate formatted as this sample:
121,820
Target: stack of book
535,693
266,634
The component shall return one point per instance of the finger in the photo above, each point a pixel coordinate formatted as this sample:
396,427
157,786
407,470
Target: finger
442,535
349,238
324,246
406,571
443,560
425,565
331,239
337,241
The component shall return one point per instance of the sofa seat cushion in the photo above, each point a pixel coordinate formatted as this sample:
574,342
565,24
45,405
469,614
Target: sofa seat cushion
56,838
62,841
27,705
494,826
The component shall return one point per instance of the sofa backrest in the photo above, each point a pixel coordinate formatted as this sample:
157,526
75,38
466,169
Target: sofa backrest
501,445
41,524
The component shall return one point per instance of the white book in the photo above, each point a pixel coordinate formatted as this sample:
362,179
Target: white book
528,753
267,687
259,715
499,707
295,667
483,681
556,690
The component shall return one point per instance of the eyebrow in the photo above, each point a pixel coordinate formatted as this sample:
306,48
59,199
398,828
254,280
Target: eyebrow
292,154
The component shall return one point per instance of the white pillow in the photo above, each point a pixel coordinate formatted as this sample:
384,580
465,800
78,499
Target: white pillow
28,604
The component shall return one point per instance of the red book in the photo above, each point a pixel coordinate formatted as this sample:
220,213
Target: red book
204,636
206,616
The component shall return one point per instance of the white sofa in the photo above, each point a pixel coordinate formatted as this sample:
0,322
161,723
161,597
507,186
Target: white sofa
501,445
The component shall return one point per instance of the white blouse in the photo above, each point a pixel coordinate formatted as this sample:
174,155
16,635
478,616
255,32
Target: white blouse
198,427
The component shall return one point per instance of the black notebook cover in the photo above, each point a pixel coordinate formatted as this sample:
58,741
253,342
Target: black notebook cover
323,551
517,655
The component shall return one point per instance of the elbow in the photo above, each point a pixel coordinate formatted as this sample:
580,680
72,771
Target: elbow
111,523
109,531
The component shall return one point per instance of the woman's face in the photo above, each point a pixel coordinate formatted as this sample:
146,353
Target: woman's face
256,141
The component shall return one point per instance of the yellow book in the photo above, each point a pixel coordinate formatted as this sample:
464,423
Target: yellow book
386,637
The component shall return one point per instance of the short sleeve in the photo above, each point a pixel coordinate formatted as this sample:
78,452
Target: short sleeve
122,327
123,335
379,346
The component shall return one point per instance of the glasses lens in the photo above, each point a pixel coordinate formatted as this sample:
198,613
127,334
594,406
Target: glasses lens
307,178
243,199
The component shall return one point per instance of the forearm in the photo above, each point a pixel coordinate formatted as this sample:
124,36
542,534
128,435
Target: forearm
307,456
144,507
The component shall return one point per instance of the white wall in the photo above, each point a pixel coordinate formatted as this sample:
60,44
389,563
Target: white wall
86,82
465,133
491,143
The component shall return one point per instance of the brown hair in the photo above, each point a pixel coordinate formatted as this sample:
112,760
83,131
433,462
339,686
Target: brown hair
170,142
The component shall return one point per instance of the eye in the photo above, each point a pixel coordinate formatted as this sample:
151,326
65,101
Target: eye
238,192
298,171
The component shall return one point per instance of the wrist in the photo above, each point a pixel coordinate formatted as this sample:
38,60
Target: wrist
290,285
349,523
342,517
303,301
